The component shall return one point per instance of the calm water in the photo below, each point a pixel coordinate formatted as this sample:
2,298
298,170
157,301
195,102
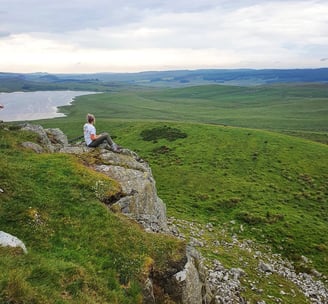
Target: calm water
21,106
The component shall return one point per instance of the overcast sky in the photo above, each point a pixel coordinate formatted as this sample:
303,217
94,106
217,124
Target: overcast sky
137,35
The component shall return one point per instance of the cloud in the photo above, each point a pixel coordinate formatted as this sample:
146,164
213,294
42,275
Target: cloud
138,35
4,34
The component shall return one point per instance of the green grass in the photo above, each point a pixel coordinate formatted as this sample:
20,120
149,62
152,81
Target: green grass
206,170
78,251
273,184
282,108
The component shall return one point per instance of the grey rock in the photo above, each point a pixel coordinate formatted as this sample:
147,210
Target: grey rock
43,137
8,240
265,267
148,292
33,146
189,285
140,200
57,138
79,149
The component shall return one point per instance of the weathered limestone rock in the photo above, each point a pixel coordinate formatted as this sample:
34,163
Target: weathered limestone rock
8,240
148,292
185,281
79,149
57,138
33,146
139,198
43,137
191,281
51,139
139,195
265,267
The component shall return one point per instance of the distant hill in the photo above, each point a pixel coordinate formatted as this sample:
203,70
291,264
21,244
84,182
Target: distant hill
179,77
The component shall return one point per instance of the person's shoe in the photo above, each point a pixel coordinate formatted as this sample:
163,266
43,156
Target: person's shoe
116,148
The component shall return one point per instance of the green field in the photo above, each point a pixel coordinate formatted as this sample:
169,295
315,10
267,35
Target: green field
219,154
297,109
274,184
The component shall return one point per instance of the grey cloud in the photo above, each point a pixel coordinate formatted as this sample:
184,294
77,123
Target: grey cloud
60,16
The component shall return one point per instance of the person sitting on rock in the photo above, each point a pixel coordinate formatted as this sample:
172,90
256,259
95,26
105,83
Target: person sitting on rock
93,140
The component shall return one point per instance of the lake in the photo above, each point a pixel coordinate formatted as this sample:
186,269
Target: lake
22,106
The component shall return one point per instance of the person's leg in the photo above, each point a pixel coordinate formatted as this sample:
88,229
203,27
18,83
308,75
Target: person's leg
103,137
113,145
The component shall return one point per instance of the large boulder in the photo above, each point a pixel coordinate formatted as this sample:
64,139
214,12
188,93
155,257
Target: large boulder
8,240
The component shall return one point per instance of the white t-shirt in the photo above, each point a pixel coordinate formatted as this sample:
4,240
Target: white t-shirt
88,129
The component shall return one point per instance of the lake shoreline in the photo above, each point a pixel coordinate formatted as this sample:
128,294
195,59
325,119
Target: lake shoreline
29,106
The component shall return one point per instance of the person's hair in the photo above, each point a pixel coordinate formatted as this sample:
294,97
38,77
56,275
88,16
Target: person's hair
90,118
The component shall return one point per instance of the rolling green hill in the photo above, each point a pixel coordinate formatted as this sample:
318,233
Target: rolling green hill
213,163
274,184
300,110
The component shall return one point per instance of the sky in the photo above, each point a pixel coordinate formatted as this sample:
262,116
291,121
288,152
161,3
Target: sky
88,36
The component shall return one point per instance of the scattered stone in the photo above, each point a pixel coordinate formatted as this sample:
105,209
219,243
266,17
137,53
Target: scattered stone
195,242
305,259
265,267
225,283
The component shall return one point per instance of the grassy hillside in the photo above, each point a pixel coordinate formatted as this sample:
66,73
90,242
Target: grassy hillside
272,184
256,184
78,251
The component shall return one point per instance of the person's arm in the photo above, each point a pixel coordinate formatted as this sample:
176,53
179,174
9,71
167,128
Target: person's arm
93,136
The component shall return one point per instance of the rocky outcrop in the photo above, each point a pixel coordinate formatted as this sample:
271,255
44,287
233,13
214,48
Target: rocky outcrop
185,281
191,280
51,140
139,199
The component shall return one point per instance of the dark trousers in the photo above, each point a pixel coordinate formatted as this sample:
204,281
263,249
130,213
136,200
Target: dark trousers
103,137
